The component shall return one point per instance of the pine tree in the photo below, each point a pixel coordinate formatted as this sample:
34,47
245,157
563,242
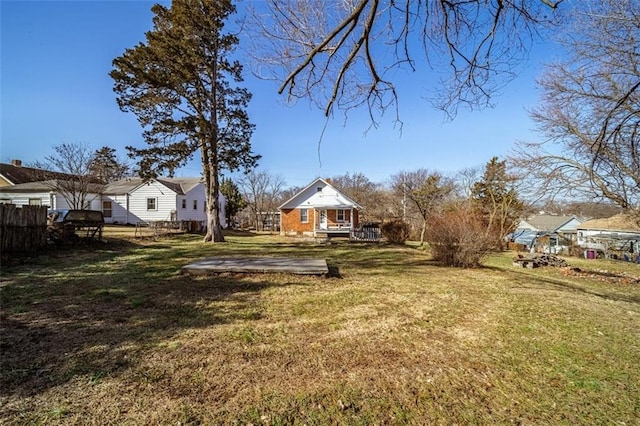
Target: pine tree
235,200
178,84
497,200
106,167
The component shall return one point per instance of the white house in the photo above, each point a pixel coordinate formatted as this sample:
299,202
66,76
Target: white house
619,233
131,200
546,232
127,201
546,223
43,193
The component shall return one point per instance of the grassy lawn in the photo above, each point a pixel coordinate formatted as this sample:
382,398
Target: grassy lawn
112,333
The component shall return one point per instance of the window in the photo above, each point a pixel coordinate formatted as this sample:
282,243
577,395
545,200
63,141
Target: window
304,215
107,208
340,215
35,202
152,204
319,189
184,203
195,204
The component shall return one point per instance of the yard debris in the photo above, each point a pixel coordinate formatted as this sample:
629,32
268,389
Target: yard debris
603,275
537,260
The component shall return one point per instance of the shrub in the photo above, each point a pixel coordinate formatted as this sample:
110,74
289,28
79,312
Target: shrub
395,231
457,236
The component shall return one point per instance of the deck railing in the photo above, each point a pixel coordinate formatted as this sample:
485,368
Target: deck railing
368,234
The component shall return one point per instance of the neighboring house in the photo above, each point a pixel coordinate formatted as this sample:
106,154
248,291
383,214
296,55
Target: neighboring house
547,233
547,223
131,200
319,208
127,201
615,235
21,185
15,174
43,194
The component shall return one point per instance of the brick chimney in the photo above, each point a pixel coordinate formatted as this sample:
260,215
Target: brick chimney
17,163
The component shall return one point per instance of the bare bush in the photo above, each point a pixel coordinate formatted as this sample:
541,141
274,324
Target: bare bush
457,237
395,231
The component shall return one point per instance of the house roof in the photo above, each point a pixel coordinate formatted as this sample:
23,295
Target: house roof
127,185
46,186
620,222
331,199
16,175
549,223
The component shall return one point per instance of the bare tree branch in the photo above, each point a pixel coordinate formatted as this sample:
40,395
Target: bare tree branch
343,55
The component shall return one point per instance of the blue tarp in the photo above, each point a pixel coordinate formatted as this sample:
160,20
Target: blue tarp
526,237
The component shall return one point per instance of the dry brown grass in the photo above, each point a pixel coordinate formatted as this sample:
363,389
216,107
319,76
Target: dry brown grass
113,334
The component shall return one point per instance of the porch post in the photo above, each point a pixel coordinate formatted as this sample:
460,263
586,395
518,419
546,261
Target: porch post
352,227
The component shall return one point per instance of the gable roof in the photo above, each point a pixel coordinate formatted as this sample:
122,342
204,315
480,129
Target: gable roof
549,223
620,222
331,199
127,185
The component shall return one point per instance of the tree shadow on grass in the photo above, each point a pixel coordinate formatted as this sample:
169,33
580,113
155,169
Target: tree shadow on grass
87,320
565,285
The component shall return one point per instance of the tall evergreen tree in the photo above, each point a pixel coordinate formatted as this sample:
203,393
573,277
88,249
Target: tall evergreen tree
106,167
235,200
179,85
496,198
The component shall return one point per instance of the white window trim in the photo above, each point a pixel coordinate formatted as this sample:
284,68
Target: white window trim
307,216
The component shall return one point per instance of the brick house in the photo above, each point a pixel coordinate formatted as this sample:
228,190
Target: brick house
319,209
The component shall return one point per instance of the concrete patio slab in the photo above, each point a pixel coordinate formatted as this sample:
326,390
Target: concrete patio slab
217,265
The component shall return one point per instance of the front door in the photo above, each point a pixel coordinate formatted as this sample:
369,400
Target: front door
323,219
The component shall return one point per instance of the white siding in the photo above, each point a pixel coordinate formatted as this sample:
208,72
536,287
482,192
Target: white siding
198,194
166,202
319,195
572,225
120,213
22,199
53,201
189,213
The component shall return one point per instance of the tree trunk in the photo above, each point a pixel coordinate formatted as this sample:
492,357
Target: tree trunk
212,188
424,230
214,228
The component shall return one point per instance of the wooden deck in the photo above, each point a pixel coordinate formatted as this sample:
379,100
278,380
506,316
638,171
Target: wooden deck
253,265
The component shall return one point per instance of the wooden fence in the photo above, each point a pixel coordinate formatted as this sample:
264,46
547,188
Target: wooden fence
22,228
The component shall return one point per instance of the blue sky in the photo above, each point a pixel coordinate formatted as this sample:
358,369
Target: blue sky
55,88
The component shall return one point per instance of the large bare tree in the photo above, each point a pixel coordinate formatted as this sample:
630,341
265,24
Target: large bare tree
262,191
589,113
424,190
371,196
344,54
69,172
